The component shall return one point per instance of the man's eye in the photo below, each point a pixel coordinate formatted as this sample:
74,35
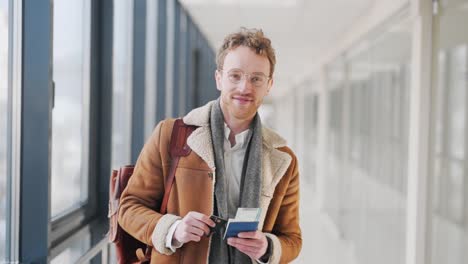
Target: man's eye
235,76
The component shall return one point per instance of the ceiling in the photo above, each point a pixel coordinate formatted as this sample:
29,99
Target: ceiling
300,30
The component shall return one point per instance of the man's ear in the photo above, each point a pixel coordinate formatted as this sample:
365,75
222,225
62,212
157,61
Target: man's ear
218,80
270,85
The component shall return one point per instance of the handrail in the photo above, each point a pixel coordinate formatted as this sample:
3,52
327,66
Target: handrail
102,246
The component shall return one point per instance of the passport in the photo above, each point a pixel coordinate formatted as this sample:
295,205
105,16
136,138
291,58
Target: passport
246,220
233,227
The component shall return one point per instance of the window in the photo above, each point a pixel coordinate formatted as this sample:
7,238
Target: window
310,136
122,83
151,67
79,245
367,149
4,74
70,115
449,164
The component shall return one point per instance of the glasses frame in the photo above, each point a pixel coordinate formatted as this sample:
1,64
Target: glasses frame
245,75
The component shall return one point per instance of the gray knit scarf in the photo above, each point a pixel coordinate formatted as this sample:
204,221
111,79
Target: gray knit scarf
251,182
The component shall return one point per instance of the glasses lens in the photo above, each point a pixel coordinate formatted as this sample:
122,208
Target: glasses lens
235,76
257,79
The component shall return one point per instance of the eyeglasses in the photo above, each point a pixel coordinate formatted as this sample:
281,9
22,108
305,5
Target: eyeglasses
257,79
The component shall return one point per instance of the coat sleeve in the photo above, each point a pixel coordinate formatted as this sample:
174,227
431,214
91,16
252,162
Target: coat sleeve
286,234
145,190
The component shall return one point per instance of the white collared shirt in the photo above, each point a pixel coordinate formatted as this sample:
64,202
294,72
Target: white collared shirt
233,164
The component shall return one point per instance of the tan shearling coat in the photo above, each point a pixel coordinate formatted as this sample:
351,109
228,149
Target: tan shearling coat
193,190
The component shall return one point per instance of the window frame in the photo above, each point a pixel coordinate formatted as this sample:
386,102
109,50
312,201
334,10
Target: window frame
119,157
14,119
35,131
65,224
445,157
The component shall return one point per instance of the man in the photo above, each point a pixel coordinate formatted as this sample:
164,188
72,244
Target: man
235,162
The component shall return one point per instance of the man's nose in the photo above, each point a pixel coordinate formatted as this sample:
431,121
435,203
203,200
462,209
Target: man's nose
245,85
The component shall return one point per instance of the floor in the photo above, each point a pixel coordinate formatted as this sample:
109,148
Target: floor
321,242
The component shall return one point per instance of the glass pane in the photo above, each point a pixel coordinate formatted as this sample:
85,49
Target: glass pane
310,137
69,115
455,200
440,102
336,74
449,171
458,86
112,253
122,83
73,252
369,184
150,66
3,125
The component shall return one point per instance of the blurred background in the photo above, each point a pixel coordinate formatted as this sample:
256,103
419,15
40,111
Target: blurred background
371,95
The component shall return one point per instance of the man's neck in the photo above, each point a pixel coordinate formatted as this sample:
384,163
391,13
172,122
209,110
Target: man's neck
235,125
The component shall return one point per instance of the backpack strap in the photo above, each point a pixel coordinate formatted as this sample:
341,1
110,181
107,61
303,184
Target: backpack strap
178,148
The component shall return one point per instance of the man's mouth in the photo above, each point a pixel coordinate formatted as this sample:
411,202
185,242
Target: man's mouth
243,100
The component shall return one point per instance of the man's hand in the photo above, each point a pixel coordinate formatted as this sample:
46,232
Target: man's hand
193,226
253,244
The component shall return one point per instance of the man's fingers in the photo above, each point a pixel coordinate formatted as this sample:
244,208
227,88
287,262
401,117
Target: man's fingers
253,244
189,228
253,235
250,251
195,230
246,242
193,226
202,217
199,224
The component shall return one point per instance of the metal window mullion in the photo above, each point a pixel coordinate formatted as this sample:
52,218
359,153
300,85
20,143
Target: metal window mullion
189,64
465,168
169,88
15,39
417,204
393,141
102,71
323,132
151,66
345,146
36,121
128,90
86,90
183,49
445,151
137,116
176,64
403,117
161,60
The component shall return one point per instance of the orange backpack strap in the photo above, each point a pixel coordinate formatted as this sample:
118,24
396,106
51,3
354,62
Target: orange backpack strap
178,148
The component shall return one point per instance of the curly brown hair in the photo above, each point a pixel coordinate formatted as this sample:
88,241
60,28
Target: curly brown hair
252,38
